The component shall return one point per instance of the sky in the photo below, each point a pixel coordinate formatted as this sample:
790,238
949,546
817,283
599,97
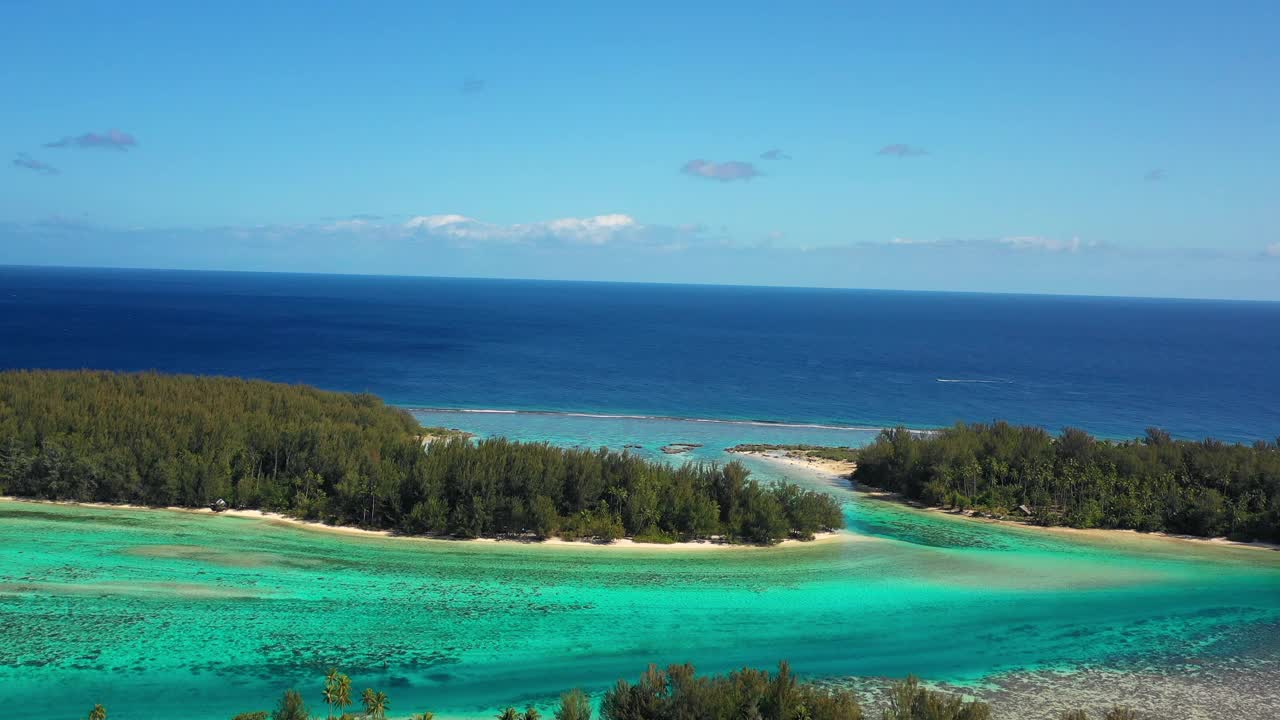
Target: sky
1076,148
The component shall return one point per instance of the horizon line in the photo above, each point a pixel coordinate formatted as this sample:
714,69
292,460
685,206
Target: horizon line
1088,296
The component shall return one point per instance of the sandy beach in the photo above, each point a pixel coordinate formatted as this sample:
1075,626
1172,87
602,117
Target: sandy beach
621,544
826,466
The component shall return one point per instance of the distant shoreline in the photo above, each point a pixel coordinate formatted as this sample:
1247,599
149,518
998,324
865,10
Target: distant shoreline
1096,533
842,469
271,518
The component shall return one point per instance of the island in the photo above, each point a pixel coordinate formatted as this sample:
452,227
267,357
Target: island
1024,474
350,460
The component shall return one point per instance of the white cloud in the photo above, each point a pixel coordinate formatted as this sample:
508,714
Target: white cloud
595,230
434,222
346,226
1012,242
1037,242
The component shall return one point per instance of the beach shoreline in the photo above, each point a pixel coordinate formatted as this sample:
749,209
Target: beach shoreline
825,466
621,544
842,470
1102,534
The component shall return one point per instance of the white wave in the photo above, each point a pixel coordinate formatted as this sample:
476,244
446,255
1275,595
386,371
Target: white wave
663,418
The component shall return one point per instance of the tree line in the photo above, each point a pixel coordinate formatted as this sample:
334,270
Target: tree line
678,693
1154,483
173,440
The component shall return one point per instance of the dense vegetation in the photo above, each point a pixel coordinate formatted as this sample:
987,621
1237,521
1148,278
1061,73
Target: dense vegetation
349,459
1154,483
677,693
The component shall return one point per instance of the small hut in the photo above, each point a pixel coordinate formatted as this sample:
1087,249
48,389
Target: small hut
218,505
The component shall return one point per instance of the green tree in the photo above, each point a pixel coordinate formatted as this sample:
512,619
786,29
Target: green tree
256,715
337,691
376,703
291,707
544,521
909,701
531,713
98,713
343,695
574,705
509,714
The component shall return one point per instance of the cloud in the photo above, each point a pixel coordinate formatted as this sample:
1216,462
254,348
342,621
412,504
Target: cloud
724,171
112,139
471,86
597,230
1037,242
774,154
902,151
1012,242
460,231
24,160
1155,175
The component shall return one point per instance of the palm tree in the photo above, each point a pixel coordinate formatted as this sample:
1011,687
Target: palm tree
98,713
375,703
424,716
343,694
509,714
531,713
337,691
331,689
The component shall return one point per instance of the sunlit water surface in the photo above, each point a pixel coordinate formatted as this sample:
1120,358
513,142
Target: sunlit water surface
167,614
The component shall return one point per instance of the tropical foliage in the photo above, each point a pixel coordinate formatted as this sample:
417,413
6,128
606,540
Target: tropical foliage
909,701
1154,483
376,704
291,707
574,705
678,693
349,459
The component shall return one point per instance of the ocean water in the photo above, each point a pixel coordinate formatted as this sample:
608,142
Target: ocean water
161,614
1113,366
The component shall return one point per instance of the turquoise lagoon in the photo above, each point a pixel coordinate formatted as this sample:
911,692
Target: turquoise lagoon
162,614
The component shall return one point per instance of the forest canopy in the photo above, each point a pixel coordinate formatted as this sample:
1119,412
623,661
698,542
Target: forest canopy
1154,483
350,459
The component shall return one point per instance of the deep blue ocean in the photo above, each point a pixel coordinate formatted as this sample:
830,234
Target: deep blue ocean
1113,366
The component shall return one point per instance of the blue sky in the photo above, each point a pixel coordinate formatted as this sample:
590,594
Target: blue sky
1094,148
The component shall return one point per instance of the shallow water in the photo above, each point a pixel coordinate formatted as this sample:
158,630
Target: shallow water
166,614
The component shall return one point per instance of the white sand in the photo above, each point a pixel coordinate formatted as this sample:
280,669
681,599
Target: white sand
622,544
